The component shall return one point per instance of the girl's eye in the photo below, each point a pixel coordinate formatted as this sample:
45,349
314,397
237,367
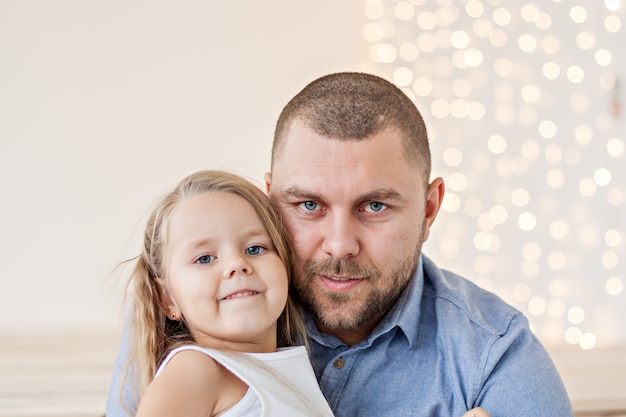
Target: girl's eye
375,207
255,250
309,205
205,259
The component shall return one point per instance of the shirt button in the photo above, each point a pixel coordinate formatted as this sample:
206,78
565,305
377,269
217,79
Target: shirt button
339,363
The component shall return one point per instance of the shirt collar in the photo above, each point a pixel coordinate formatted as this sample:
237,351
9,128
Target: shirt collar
405,314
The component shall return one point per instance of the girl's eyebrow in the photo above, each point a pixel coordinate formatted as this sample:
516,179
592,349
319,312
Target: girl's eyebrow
255,232
198,243
208,241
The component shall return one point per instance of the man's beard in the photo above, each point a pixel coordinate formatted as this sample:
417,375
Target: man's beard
338,311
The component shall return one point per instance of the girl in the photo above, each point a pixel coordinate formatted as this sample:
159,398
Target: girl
211,308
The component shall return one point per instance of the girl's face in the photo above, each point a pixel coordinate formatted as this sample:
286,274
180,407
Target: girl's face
223,274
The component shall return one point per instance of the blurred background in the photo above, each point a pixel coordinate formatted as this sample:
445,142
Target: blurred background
106,105
524,102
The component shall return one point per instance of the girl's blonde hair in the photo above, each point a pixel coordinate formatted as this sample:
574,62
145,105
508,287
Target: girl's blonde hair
153,334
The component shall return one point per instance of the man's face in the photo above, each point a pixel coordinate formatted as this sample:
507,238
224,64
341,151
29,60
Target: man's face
358,214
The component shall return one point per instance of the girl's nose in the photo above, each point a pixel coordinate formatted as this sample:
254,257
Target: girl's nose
238,265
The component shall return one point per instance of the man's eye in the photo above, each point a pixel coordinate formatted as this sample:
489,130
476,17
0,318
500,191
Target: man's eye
375,207
309,205
205,259
255,250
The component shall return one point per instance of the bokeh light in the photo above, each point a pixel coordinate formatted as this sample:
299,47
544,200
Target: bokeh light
524,107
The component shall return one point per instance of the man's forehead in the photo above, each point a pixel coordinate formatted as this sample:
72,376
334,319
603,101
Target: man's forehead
306,150
348,184
315,164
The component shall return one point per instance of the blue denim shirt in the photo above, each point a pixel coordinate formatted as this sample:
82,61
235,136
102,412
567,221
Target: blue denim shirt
445,347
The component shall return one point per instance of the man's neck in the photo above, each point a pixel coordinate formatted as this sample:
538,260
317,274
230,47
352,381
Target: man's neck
350,337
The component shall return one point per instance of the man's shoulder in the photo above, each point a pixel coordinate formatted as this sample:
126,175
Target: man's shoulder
459,297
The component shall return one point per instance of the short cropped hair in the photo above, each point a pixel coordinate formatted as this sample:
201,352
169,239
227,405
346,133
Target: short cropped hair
353,105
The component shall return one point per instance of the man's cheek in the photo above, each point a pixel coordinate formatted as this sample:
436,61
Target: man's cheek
304,248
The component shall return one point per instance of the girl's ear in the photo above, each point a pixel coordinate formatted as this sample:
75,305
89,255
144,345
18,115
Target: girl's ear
268,182
167,304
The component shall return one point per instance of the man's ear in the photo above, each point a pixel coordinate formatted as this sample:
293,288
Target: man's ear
268,181
434,197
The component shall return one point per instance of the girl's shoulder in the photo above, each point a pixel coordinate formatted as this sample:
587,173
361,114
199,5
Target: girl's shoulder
191,378
192,364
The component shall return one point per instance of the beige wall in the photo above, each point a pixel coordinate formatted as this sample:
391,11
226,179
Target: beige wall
105,105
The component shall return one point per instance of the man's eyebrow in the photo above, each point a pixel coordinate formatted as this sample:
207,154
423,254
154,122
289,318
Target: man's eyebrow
300,193
383,194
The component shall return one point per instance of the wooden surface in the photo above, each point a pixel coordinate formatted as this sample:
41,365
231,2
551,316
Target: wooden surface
56,375
595,379
69,376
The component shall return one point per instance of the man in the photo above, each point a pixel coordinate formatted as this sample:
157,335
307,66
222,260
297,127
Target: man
390,333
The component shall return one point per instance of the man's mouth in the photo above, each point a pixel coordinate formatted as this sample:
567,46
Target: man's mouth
338,278
335,283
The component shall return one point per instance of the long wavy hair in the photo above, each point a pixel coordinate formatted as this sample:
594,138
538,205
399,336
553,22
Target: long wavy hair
153,334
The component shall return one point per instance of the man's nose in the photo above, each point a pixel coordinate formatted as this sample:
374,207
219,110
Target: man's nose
340,236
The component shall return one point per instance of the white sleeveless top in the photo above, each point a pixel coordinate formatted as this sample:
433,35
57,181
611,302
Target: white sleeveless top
279,383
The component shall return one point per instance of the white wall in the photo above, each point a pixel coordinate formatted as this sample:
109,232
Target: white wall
105,105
